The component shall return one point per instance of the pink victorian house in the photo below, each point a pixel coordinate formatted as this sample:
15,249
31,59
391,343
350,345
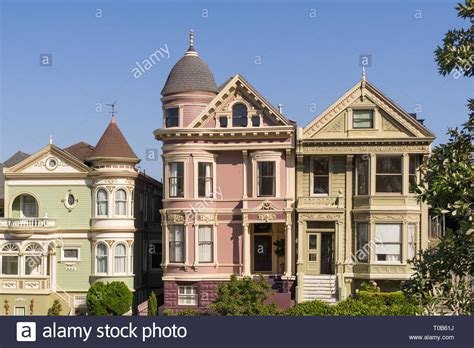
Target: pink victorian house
229,186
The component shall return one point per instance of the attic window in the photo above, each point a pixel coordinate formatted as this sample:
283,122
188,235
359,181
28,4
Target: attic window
172,117
255,121
223,121
239,115
362,119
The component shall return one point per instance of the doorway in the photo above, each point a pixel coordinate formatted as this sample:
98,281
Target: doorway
327,253
262,253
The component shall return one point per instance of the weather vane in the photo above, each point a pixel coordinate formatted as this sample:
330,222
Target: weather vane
113,108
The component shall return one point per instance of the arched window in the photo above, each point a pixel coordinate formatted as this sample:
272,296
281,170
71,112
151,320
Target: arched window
101,258
120,202
10,258
120,256
102,202
239,115
33,259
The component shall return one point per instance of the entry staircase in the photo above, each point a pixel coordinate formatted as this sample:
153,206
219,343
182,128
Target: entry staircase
320,287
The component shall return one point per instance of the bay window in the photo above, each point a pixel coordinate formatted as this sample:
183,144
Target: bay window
176,243
176,179
101,257
388,242
10,259
205,244
389,174
205,179
321,175
266,178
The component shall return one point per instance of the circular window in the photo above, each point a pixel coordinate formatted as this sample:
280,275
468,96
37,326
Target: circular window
51,163
70,200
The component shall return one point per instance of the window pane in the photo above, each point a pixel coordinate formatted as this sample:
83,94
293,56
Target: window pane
362,252
176,247
10,265
362,176
321,166
321,184
120,254
239,115
388,242
392,165
205,244
102,202
223,122
33,265
71,253
255,121
176,178
101,258
313,244
266,178
388,183
312,257
172,117
362,119
205,180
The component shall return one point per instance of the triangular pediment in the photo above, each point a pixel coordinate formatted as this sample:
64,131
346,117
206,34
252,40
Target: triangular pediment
238,90
389,120
49,160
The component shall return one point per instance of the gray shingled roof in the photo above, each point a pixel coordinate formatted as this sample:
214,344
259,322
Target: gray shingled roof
190,73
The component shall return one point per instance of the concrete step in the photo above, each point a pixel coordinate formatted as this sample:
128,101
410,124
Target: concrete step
320,276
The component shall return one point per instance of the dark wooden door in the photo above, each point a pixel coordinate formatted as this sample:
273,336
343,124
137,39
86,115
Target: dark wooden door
262,253
327,253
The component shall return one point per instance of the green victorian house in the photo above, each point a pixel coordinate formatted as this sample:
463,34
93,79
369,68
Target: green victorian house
73,217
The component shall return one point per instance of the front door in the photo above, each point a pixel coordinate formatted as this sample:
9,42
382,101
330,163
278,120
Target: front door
262,253
327,253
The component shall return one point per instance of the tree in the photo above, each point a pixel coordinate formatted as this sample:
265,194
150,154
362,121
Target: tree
152,304
443,275
55,309
113,298
244,296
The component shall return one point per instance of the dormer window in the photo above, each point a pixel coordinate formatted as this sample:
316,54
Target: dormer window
223,121
172,117
255,121
239,115
362,119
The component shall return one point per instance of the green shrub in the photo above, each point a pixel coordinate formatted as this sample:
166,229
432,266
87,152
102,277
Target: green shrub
113,298
185,312
244,296
55,309
152,304
369,286
312,308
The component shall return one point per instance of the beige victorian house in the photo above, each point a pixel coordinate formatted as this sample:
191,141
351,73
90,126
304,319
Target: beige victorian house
357,217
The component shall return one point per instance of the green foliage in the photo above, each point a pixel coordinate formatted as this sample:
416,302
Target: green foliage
188,312
279,247
113,298
442,274
152,304
55,309
369,286
364,304
243,296
457,51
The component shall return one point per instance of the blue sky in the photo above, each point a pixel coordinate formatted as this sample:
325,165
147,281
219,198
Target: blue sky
309,56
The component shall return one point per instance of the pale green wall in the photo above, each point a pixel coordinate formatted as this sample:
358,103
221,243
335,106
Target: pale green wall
50,202
78,279
337,175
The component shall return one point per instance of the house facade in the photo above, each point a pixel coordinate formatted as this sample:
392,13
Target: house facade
357,216
74,217
229,174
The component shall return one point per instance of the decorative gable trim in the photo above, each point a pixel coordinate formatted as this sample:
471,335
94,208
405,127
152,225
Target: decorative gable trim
364,89
233,84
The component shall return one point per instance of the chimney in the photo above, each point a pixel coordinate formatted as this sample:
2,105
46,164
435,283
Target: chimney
280,108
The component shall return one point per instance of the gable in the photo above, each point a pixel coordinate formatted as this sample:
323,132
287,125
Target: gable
49,160
389,120
238,90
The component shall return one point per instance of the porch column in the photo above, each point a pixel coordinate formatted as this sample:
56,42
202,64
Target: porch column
246,250
288,247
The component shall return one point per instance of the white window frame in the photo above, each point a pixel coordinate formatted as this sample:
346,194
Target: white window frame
67,259
22,204
96,202
350,115
184,241
126,201
107,258
184,299
125,258
402,174
214,245
180,115
176,158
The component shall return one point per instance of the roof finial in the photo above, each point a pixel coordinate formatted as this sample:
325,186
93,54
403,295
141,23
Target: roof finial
51,139
363,73
113,111
191,51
